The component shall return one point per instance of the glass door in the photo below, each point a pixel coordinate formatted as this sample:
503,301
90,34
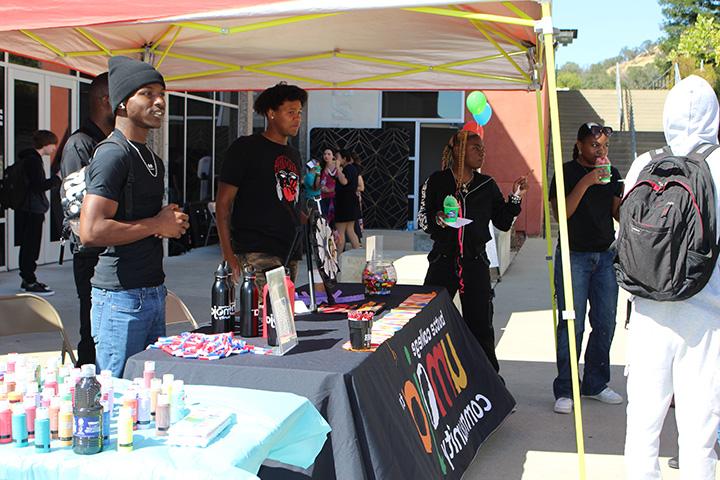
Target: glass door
38,101
61,119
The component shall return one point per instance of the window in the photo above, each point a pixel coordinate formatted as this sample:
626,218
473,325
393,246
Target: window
422,104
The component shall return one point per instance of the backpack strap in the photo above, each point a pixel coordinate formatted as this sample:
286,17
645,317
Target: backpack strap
701,152
660,153
128,191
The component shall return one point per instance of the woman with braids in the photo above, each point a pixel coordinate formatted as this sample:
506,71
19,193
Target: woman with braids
458,260
592,201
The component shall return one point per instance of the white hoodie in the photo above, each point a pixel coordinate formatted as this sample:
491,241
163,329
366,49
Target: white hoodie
691,116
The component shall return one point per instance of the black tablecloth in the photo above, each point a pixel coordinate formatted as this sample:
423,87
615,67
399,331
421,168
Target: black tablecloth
359,394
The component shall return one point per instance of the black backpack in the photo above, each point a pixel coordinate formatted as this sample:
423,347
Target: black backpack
667,243
14,186
72,193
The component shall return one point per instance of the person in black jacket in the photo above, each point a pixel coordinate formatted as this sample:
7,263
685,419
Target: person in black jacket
30,216
458,260
76,154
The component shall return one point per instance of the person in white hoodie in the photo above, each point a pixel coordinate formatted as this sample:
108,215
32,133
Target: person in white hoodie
674,347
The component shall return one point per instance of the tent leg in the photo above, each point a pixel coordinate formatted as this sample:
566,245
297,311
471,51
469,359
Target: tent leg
569,312
546,212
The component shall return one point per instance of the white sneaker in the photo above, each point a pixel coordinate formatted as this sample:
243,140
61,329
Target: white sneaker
607,396
563,405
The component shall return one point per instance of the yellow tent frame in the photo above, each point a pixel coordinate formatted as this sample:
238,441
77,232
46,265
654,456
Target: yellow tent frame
483,23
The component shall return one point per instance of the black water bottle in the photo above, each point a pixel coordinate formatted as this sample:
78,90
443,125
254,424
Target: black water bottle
223,305
249,312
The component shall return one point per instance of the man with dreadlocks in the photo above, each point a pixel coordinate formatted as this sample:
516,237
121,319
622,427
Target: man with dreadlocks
458,260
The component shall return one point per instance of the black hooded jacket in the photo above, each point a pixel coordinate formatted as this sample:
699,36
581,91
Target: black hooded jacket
32,167
482,203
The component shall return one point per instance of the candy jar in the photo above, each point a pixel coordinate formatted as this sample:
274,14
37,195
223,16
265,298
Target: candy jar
379,277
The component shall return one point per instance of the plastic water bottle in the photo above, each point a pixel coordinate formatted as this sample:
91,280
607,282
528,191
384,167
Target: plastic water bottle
222,307
87,428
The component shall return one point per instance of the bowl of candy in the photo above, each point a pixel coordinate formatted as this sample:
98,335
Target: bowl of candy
378,277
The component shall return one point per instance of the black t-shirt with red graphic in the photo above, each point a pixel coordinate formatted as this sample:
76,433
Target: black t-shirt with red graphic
265,214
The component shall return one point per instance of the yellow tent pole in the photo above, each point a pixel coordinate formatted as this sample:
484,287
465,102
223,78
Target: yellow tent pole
93,40
206,73
502,78
44,43
480,27
569,313
94,53
157,42
500,34
384,76
474,16
167,49
546,209
517,11
288,76
285,61
500,49
481,59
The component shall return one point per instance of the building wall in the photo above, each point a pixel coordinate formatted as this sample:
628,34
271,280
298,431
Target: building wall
513,149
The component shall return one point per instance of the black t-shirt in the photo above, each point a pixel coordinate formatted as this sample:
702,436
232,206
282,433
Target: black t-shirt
590,228
137,264
265,213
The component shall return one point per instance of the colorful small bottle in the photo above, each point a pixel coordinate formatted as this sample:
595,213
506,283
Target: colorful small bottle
162,416
19,426
54,413
177,402
42,430
30,410
149,372
143,409
129,400
65,424
155,389
125,424
5,422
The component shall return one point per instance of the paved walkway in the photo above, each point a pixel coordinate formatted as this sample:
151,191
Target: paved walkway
534,443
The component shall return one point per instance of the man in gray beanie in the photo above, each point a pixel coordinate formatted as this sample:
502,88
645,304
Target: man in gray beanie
123,212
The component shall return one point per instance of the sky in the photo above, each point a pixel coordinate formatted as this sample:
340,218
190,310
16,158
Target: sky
605,27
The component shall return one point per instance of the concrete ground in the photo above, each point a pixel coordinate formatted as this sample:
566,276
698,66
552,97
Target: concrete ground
534,442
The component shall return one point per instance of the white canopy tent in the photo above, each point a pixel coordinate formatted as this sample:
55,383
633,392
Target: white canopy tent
316,44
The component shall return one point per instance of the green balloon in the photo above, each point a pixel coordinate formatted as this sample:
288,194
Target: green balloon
476,102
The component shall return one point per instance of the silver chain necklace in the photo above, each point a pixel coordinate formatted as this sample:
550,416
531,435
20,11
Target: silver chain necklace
152,169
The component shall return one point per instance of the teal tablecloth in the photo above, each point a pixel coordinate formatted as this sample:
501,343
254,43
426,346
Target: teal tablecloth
278,426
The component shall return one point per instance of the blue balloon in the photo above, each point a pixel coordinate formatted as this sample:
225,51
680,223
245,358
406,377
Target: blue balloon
483,117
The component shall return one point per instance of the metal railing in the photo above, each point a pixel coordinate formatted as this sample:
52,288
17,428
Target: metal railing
663,82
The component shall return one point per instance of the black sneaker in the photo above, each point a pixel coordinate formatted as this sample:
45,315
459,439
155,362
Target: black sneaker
674,462
37,288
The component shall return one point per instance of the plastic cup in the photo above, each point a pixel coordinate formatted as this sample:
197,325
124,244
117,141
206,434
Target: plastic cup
360,334
451,214
606,173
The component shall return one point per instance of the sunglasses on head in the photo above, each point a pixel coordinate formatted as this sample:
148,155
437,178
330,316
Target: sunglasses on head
597,130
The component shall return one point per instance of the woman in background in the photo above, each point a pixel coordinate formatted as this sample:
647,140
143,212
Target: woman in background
327,186
458,260
347,205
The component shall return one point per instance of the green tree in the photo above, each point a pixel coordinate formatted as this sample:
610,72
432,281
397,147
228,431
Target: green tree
701,41
680,14
571,80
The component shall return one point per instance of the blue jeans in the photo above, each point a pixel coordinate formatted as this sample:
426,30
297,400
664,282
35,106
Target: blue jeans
125,322
593,281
